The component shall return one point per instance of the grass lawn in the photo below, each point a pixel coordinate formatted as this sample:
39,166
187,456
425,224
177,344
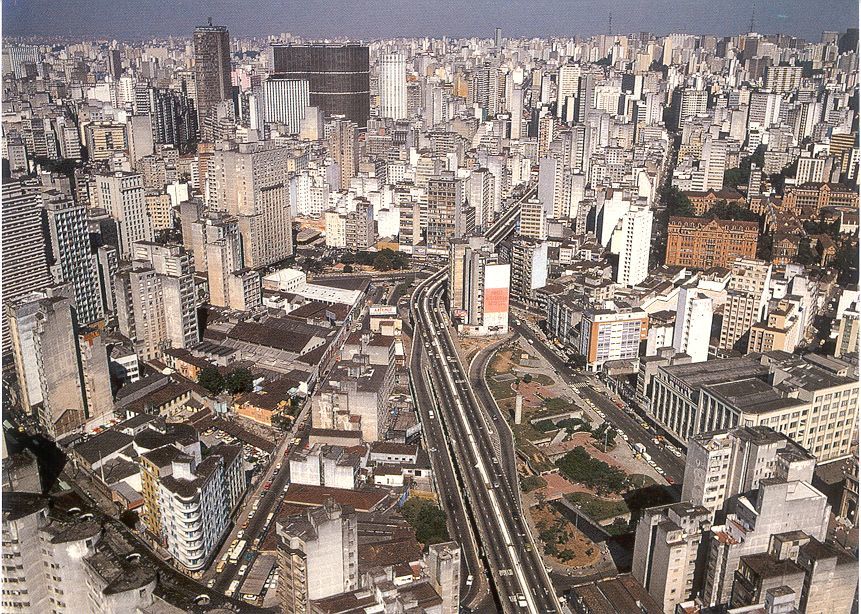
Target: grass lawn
558,404
500,390
597,508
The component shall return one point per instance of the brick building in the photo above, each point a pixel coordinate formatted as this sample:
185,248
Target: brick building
702,243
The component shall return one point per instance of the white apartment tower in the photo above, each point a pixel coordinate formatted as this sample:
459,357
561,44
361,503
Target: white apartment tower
121,194
393,85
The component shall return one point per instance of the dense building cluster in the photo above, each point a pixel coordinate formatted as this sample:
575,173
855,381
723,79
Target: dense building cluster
208,242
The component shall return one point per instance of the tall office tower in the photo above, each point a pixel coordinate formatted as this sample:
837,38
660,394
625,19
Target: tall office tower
444,569
486,89
782,79
115,63
585,96
747,299
528,269
692,103
721,465
104,140
533,220
139,133
22,55
44,335
121,194
25,253
516,107
693,323
174,119
360,231
449,217
567,86
497,38
480,196
251,182
344,148
211,72
231,285
338,77
188,501
478,287
317,556
669,553
546,131
393,86
96,377
72,259
714,160
155,299
285,101
632,241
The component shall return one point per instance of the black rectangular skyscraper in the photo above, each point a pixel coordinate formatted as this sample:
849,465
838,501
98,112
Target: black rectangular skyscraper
338,77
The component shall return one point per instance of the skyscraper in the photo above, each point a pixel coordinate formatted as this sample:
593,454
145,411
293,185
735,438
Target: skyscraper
45,346
251,182
393,86
155,299
285,101
174,119
344,147
632,241
73,261
338,76
25,257
211,71
122,196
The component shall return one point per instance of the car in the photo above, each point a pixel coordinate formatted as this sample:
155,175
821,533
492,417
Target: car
267,485
241,534
242,569
528,547
211,583
245,524
469,580
220,567
670,480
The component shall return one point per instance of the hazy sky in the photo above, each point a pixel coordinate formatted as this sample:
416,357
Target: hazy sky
367,19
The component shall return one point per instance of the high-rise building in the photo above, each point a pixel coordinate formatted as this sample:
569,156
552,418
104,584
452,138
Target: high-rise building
188,501
25,250
669,556
155,299
121,194
448,215
44,337
174,119
104,139
344,148
211,72
694,315
20,56
478,287
444,571
231,285
533,220
338,77
692,104
528,269
285,101
612,331
393,85
318,556
723,464
747,298
71,254
251,183
632,241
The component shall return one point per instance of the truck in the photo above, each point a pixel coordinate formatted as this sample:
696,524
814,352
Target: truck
236,551
639,448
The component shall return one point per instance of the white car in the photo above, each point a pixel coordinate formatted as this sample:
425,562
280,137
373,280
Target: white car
242,570
469,580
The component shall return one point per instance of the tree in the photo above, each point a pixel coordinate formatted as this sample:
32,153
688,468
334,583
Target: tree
211,379
427,519
239,380
677,203
348,268
382,262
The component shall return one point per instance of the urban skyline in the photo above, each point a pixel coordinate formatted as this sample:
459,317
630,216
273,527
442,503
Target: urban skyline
484,325
374,19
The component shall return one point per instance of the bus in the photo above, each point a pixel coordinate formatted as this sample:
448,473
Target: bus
236,551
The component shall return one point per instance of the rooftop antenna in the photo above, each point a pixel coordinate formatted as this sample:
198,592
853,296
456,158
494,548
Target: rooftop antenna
610,24
752,27
210,21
